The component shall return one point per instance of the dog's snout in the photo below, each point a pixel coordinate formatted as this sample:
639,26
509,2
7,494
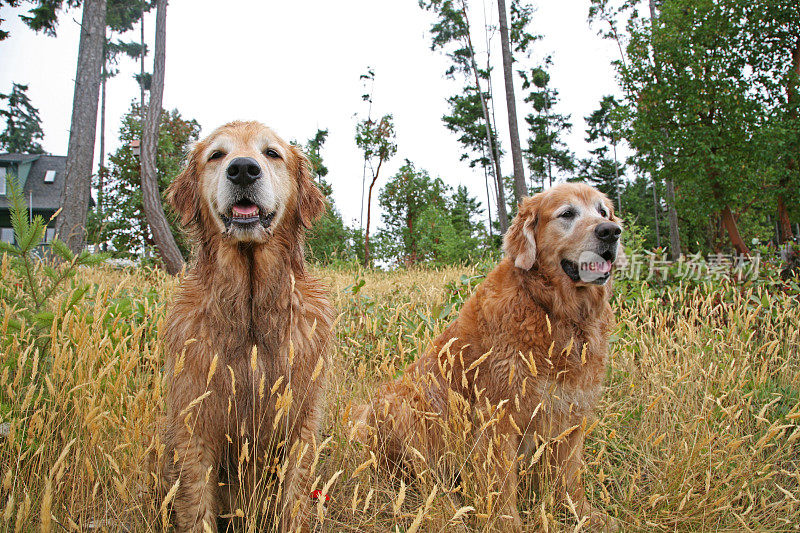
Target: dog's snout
607,232
243,171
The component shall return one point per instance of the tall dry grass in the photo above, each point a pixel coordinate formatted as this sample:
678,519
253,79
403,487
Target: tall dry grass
697,431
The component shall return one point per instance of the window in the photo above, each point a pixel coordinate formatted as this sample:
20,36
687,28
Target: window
50,176
7,235
3,181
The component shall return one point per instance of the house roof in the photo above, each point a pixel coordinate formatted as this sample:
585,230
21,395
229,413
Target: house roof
19,158
46,196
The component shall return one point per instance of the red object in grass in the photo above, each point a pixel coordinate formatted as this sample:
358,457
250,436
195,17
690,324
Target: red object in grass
317,494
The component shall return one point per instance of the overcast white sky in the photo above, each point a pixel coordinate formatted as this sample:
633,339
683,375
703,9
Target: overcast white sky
295,66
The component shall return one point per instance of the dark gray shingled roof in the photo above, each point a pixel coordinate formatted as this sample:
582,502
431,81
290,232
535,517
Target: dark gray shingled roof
18,158
45,195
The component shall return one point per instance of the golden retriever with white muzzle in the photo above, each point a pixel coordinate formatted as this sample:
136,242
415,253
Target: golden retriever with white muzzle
247,335
526,355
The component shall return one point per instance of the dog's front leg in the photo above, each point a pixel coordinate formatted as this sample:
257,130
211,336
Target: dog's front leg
195,464
566,468
295,516
497,450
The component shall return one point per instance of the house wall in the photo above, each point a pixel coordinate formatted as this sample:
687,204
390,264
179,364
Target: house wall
6,229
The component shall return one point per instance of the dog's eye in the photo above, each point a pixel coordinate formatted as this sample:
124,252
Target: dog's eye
269,152
217,154
569,213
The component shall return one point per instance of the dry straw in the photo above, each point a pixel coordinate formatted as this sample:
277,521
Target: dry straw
698,429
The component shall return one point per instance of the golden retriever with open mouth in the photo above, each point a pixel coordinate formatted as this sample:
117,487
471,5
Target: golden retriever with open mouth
246,337
526,355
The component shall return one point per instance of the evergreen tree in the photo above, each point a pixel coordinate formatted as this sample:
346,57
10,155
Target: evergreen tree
451,32
329,240
603,129
23,126
547,154
403,199
422,223
465,213
126,227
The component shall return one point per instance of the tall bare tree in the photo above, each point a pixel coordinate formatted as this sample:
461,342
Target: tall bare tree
151,196
75,198
377,140
520,189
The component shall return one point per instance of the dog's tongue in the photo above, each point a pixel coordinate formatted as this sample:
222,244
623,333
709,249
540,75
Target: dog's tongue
245,210
599,267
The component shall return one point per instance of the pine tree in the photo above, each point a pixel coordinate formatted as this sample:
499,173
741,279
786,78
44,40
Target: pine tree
602,129
23,126
547,154
125,227
329,240
451,32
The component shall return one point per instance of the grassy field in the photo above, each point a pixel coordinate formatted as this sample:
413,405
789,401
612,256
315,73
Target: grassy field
699,429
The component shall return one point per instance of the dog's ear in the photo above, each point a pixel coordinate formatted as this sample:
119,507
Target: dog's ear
520,241
311,202
183,194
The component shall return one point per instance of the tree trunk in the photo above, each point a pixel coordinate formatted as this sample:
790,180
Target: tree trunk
520,190
674,234
75,198
502,212
101,167
151,196
488,201
141,71
369,209
616,180
656,212
672,216
792,89
784,224
729,221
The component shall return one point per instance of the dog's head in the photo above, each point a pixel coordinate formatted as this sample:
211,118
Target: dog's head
569,230
245,182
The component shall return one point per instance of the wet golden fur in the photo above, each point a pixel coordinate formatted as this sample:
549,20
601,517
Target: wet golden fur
241,313
547,342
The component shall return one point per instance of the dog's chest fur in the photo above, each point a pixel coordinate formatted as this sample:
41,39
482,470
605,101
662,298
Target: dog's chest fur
266,334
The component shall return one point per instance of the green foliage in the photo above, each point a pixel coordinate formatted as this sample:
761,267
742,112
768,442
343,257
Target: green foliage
519,36
641,210
423,223
329,241
709,89
43,16
125,226
37,274
547,155
466,120
23,125
312,149
121,15
377,140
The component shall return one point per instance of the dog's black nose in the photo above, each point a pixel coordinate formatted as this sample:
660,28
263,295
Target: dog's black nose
243,171
607,232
